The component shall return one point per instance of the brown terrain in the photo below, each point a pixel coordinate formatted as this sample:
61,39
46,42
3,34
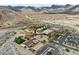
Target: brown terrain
11,21
54,18
10,18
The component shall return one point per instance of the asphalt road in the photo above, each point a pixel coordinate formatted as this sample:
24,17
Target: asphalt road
3,36
62,38
44,50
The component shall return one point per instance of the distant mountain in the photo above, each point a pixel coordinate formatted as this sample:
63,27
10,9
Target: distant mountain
67,5
16,8
53,9
65,9
72,10
57,6
23,8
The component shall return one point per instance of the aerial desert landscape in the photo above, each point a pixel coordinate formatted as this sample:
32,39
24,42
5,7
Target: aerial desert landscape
33,30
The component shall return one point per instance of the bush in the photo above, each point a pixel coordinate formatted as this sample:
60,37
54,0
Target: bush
51,39
67,50
33,50
19,40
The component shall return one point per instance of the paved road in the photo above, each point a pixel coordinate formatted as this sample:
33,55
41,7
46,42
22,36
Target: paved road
3,36
62,38
44,50
7,49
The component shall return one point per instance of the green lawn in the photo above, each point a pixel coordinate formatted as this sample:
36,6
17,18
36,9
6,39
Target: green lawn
19,40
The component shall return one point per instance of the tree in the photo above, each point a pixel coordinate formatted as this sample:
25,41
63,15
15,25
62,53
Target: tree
33,50
51,39
19,40
67,50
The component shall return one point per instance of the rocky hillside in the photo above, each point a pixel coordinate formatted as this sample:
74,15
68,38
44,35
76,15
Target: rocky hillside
9,18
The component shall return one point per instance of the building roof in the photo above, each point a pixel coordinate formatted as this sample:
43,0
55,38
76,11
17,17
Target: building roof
48,31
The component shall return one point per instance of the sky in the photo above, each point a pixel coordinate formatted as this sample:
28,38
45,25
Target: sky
39,2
